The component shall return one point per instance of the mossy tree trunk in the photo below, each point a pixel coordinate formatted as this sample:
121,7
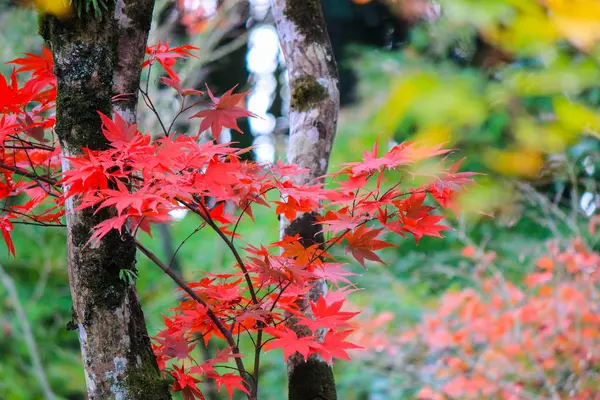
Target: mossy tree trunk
95,59
313,117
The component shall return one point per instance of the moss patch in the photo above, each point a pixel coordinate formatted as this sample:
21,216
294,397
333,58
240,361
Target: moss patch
307,16
145,382
307,93
84,52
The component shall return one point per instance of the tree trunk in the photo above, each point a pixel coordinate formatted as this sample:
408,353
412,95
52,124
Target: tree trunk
95,59
314,108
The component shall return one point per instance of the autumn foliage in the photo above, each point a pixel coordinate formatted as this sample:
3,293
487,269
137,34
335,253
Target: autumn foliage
509,339
143,178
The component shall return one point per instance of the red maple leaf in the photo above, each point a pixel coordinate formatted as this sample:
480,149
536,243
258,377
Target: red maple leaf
222,356
291,207
218,214
293,248
11,100
338,221
450,177
333,273
185,384
167,56
135,203
363,242
283,169
327,316
175,83
8,126
424,226
290,343
443,195
370,162
414,218
117,130
41,65
334,345
104,227
223,114
231,381
410,152
87,173
176,346
413,206
6,227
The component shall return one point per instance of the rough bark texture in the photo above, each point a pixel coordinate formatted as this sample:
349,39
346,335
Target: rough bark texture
96,59
313,117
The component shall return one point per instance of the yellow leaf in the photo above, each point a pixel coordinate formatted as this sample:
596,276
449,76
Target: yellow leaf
577,117
433,135
400,98
486,198
577,20
517,162
58,8
550,137
526,33
555,79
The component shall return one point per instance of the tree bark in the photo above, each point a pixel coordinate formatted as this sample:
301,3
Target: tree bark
95,59
314,108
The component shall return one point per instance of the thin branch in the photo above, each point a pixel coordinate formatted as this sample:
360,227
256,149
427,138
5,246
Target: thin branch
31,217
209,312
49,190
150,105
205,215
237,223
173,258
28,174
38,224
181,111
38,146
257,350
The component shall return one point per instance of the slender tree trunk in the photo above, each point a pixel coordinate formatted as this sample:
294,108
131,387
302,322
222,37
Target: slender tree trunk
95,59
313,117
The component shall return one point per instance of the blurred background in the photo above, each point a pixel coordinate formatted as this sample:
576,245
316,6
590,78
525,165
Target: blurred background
506,305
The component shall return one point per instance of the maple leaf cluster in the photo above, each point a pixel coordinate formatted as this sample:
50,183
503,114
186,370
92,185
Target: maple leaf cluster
144,178
26,114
